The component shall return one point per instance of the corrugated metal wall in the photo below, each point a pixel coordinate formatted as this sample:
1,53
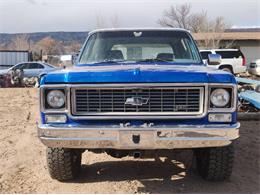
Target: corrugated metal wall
9,58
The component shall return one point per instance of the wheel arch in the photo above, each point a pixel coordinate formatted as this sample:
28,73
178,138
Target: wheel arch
229,66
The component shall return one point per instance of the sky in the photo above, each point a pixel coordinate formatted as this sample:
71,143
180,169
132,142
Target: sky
19,16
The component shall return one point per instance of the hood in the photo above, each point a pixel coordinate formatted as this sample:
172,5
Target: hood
139,74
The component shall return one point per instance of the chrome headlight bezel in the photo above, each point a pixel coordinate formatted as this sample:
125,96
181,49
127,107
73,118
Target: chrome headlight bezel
231,106
55,99
220,98
46,105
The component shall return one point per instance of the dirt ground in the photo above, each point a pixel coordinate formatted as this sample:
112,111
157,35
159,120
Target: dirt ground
23,165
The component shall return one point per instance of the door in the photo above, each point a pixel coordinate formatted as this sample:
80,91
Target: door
33,70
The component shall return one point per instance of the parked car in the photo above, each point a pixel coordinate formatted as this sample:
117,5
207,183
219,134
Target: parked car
31,69
232,60
139,92
254,67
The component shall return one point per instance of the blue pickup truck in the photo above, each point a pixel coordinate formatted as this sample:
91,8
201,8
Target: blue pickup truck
139,91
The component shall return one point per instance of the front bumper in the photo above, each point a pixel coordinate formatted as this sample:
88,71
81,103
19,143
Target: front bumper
137,137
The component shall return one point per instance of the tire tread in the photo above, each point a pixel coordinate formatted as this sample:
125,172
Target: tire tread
215,164
63,164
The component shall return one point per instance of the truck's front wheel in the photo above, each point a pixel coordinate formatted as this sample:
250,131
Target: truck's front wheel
215,164
63,163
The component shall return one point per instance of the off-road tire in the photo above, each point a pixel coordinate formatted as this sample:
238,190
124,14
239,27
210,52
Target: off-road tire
215,164
63,163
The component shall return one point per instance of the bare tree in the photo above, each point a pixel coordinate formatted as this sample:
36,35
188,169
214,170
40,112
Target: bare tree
115,21
100,23
20,42
49,46
177,17
73,47
219,24
180,16
199,22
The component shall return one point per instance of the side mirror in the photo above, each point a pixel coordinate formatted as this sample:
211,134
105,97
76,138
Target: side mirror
74,58
214,59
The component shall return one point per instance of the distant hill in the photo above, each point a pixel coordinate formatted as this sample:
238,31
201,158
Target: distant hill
66,37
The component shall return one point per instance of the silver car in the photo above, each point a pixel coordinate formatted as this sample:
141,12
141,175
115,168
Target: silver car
31,69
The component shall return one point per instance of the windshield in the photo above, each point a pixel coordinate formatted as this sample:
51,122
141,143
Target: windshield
140,46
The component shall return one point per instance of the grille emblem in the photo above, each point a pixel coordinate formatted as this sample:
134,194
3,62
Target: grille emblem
136,101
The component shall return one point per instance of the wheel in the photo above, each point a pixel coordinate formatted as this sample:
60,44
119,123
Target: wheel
63,163
215,164
227,70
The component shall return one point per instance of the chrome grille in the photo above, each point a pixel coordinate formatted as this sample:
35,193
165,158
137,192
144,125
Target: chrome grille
161,101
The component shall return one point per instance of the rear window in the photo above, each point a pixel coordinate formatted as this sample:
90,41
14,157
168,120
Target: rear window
205,54
48,65
230,54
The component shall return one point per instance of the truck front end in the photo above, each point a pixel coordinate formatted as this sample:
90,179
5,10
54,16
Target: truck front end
138,90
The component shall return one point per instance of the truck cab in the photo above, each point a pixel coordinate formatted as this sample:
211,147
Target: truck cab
139,91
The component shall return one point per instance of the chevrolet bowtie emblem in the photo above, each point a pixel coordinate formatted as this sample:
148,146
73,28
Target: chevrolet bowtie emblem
136,101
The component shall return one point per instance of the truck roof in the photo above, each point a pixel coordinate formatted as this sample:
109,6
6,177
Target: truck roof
137,29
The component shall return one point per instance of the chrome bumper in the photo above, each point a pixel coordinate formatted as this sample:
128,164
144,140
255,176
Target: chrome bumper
155,137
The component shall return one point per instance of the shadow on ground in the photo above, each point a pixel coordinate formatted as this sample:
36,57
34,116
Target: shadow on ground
168,176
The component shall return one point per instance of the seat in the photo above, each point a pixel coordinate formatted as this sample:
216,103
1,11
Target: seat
115,55
165,56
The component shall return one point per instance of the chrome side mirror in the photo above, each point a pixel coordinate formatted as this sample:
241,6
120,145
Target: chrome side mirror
214,59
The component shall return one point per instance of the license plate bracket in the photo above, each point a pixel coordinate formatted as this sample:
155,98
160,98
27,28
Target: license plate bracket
137,139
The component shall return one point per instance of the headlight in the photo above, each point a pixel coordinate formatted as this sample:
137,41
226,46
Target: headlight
220,97
56,98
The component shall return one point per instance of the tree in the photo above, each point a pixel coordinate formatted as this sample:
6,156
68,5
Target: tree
180,16
102,23
73,47
199,22
115,21
177,17
20,42
49,46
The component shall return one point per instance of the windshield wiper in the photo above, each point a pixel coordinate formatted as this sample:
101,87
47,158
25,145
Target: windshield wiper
109,61
152,60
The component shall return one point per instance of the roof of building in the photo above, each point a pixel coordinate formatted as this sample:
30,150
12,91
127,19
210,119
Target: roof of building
243,29
227,36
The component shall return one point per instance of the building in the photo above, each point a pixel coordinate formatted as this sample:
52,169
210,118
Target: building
9,58
247,40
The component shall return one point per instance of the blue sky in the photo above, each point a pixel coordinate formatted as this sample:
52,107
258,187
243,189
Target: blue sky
82,15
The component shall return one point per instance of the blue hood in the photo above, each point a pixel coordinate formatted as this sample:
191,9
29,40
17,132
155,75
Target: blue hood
138,74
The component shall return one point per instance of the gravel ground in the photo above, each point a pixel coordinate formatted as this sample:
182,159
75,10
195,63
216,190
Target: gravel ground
23,164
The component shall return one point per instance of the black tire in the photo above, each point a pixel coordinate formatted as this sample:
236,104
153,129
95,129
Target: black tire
63,163
215,164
